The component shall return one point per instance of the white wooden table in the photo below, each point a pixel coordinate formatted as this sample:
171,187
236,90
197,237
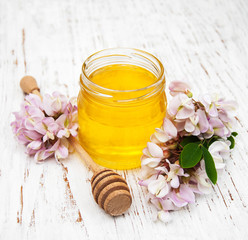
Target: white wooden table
204,42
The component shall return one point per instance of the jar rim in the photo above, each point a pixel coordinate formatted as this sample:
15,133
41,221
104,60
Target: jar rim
157,82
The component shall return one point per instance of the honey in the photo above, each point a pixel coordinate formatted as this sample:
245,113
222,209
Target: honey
119,105
123,77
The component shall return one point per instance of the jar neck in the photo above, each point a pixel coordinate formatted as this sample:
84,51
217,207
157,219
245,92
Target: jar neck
123,56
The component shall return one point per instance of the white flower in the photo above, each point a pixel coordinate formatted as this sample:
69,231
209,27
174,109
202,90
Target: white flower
153,154
167,132
173,174
219,151
199,180
181,107
159,187
164,216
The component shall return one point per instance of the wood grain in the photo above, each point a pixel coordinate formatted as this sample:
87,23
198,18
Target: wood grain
204,42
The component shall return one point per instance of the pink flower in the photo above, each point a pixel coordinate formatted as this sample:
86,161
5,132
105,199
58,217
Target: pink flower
152,155
182,197
181,107
159,187
44,126
177,87
47,127
203,121
28,116
54,104
33,100
199,182
213,104
197,124
220,113
34,145
67,127
163,203
165,133
209,103
226,111
172,175
217,127
162,214
59,149
191,125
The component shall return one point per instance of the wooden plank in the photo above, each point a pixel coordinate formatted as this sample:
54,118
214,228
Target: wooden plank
204,42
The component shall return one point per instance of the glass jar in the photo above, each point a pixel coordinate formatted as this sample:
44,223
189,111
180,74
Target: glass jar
121,102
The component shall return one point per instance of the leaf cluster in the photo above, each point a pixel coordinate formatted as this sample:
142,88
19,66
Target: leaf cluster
194,149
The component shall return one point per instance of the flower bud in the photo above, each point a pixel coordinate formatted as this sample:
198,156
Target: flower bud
166,153
189,94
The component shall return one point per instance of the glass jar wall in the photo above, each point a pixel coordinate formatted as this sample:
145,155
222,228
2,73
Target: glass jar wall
120,103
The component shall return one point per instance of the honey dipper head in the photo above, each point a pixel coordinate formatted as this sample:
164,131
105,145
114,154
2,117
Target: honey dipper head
28,84
111,192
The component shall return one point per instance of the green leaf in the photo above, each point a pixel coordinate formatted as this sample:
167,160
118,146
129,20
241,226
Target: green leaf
234,134
205,143
190,155
209,165
180,159
231,139
187,140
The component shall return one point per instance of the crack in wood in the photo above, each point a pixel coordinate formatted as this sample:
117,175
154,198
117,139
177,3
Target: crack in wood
221,39
26,174
209,207
79,219
32,221
231,197
116,230
222,195
71,199
239,122
187,207
205,70
67,184
19,213
23,50
241,200
42,179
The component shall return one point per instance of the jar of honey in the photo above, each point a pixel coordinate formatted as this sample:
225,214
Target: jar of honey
121,102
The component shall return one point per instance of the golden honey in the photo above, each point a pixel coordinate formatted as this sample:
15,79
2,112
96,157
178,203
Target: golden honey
121,102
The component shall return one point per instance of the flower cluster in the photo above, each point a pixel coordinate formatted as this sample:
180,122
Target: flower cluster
186,153
209,116
45,126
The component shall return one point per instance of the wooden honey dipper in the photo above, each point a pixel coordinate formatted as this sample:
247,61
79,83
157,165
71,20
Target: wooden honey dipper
109,189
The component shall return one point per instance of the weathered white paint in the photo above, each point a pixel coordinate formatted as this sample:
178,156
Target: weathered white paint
204,42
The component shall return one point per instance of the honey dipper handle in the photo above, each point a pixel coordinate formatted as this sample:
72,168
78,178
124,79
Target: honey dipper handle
84,155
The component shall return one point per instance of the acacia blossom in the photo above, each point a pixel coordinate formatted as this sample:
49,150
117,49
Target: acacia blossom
171,187
209,116
181,107
44,126
172,175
